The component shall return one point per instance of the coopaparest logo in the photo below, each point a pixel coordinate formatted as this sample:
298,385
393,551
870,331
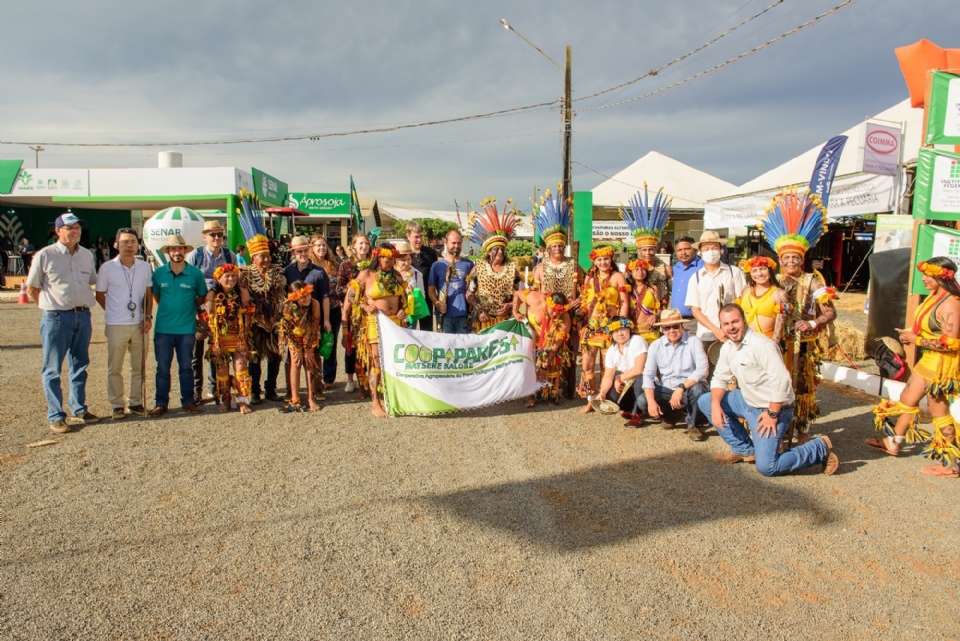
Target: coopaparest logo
423,357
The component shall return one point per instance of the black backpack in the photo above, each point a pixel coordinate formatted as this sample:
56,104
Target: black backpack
892,366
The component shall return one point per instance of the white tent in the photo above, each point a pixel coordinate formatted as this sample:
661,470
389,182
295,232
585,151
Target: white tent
854,192
690,188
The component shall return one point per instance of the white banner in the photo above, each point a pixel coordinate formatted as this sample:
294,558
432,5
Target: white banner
51,182
852,195
428,373
881,149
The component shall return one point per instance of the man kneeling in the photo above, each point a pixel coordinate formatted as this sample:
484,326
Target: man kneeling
674,376
764,399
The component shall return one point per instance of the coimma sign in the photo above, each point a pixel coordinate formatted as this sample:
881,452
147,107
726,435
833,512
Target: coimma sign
882,142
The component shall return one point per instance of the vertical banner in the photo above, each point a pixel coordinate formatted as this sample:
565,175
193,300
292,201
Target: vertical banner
937,190
425,373
943,110
355,212
826,168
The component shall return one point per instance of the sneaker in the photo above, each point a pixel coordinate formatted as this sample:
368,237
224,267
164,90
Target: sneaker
118,414
351,386
88,418
61,427
635,421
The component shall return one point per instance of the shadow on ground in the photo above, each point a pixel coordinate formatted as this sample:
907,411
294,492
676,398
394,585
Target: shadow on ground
610,503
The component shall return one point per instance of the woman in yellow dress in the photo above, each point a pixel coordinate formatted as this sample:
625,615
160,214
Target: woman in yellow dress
645,298
603,296
764,304
936,332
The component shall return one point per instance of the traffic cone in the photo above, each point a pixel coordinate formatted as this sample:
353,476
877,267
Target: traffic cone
24,299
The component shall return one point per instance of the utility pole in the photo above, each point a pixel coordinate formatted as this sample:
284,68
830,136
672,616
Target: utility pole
37,151
567,141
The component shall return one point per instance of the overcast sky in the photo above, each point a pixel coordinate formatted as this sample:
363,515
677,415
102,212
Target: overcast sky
204,70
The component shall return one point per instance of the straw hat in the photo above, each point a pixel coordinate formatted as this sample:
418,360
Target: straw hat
670,317
605,406
176,240
893,345
299,241
212,225
403,247
708,236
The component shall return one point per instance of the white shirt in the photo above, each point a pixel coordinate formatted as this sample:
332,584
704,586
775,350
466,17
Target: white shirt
64,279
703,291
758,366
621,362
123,286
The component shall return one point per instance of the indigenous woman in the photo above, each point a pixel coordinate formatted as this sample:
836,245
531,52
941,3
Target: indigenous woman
493,279
321,256
603,295
549,318
227,313
646,222
764,304
623,367
936,332
351,316
793,226
645,299
380,292
299,331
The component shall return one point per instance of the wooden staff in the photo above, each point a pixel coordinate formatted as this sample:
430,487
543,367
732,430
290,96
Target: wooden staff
443,295
143,357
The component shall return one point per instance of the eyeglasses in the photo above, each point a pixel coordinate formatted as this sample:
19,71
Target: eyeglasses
215,234
671,328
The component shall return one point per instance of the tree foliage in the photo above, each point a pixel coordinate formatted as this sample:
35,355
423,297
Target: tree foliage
433,228
519,248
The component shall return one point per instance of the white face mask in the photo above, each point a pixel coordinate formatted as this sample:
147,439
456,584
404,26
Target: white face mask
711,257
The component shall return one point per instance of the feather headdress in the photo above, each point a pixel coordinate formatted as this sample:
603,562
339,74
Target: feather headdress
552,219
646,221
793,223
251,222
492,229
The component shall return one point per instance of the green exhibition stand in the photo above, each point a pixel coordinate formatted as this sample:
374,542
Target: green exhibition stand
234,232
583,225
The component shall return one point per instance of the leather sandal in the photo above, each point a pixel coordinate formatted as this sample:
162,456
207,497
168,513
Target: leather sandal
943,471
881,445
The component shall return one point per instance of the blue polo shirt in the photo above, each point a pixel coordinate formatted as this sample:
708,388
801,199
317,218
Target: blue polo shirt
681,278
177,299
312,275
457,291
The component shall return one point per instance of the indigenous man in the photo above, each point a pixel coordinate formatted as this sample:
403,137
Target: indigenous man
59,282
268,291
675,374
763,400
646,223
123,291
549,318
793,226
382,293
207,258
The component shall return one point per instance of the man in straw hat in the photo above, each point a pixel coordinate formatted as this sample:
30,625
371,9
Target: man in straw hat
714,285
675,374
763,399
178,290
207,258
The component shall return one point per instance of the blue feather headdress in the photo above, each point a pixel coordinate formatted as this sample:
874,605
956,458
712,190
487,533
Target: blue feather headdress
646,221
552,218
251,222
793,224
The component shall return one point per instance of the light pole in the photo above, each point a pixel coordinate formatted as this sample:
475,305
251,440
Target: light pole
567,119
37,151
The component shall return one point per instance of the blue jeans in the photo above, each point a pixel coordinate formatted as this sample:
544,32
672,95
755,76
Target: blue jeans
770,462
455,325
662,396
63,334
330,364
164,346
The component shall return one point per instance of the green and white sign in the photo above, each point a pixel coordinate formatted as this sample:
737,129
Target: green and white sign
268,189
317,204
425,373
933,240
943,110
51,182
937,192
893,232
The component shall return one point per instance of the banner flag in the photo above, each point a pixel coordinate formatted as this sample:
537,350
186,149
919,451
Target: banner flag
934,240
937,189
427,373
355,212
943,110
826,168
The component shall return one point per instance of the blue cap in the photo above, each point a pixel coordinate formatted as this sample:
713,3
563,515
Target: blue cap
68,219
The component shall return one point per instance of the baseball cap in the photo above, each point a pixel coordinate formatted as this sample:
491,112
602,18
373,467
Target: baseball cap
68,219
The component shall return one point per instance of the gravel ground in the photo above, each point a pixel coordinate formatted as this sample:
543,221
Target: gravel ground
501,523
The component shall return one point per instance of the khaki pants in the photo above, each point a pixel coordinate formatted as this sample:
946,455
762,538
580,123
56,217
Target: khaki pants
120,340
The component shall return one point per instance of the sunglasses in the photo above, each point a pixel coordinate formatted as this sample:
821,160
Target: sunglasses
668,328
215,234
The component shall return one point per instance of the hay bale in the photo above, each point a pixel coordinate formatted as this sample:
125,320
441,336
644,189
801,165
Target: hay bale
850,340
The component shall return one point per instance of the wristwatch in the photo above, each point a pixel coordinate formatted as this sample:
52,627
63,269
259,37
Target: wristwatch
148,316
682,387
773,415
